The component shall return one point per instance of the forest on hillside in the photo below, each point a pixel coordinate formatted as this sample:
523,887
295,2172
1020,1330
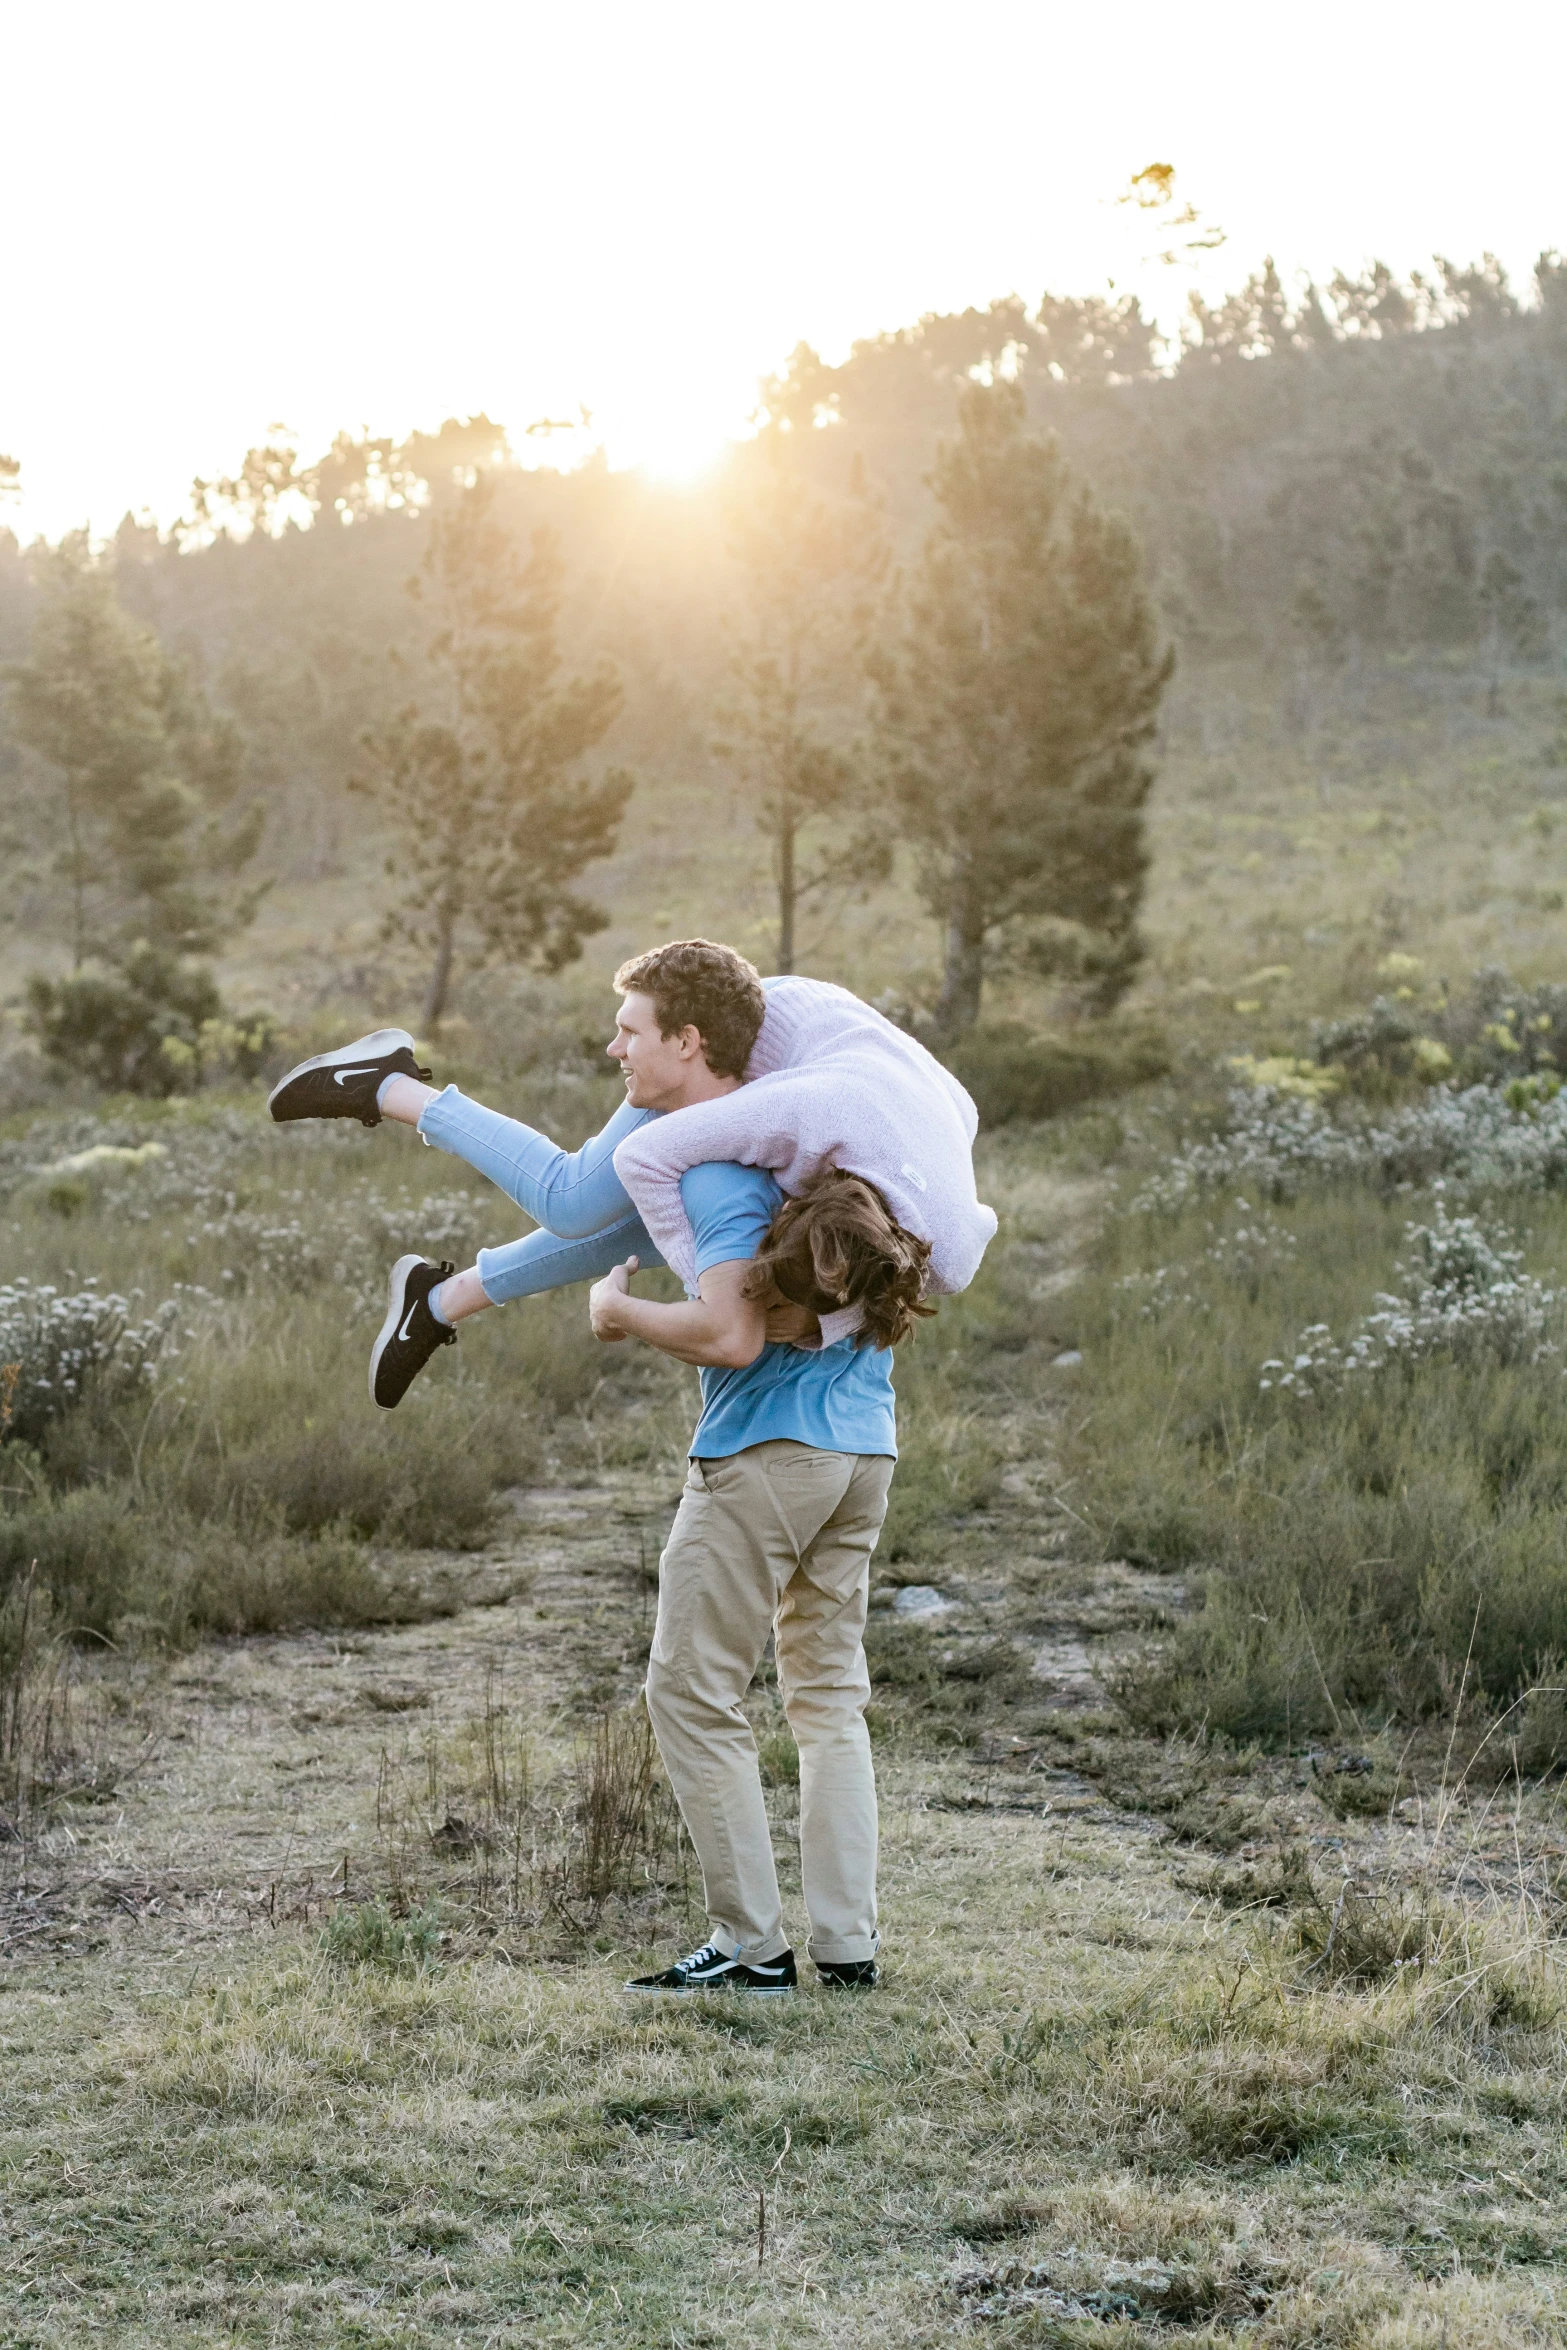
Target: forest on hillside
1375,465
1364,482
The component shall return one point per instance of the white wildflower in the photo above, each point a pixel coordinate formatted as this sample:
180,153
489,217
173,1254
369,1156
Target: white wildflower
1465,1297
54,1347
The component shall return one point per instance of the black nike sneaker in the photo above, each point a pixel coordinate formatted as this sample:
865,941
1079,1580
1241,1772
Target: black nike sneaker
344,1084
708,1969
410,1334
853,1974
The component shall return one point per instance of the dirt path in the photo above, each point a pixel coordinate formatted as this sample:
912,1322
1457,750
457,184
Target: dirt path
235,1782
237,1789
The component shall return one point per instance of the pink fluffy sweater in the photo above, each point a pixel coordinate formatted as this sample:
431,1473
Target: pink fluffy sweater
831,1082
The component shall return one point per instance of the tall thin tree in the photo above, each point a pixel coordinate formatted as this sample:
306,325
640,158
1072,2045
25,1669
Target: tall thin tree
482,777
137,774
1018,707
808,568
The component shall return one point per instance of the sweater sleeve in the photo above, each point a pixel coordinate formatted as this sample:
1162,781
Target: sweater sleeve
845,1089
651,1162
737,1126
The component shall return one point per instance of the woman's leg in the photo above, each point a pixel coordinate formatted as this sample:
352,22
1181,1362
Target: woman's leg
571,1193
540,1261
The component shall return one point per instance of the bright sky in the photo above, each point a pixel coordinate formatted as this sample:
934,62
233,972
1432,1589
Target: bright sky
337,213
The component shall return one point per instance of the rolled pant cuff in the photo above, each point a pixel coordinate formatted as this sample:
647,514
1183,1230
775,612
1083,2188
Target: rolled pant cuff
854,1950
758,1953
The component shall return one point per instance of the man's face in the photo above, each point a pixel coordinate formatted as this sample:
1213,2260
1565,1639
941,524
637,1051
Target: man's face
657,1068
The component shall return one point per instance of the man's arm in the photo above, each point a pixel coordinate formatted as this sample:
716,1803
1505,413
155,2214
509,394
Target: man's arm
720,1327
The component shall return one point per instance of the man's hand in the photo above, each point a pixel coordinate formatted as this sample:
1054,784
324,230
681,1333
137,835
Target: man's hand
720,1328
604,1298
790,1325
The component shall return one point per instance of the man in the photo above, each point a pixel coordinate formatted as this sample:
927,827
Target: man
790,1465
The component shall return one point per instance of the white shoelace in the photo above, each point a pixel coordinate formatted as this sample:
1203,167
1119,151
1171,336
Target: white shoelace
702,1957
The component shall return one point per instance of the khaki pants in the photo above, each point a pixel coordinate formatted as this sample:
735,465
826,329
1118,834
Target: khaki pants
779,1538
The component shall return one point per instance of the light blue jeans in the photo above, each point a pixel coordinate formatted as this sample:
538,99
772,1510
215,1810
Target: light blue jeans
589,1223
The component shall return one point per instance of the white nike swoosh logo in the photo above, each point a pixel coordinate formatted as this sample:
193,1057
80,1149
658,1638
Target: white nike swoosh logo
407,1319
341,1076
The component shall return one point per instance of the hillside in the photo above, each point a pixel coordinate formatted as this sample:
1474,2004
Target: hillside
1355,511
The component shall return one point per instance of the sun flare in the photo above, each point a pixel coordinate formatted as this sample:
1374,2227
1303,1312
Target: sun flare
678,442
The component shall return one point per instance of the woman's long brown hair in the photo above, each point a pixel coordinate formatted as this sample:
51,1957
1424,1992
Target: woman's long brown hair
836,1243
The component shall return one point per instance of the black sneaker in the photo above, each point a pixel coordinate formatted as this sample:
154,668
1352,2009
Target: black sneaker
708,1969
344,1084
850,1974
410,1334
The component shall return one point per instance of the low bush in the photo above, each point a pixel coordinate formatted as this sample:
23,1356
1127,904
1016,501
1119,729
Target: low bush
151,1023
1277,1143
1016,1072
1381,1051
110,1561
1488,1033
367,1935
1462,1297
57,1351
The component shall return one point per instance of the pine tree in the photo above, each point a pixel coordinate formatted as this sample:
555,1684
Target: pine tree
136,772
1018,708
809,566
482,778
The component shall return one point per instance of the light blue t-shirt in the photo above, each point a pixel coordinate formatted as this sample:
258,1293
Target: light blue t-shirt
838,1398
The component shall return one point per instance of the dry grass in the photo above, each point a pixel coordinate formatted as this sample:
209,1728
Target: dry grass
313,2030
320,2053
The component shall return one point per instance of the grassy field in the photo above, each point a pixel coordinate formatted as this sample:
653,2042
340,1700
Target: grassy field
1223,1887
1316,827
312,2019
1306,822
1109,2091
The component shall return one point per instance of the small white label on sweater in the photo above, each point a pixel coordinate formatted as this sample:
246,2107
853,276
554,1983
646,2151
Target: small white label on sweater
915,1177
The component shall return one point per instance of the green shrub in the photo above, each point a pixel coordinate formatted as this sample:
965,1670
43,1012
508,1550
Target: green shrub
368,1935
112,1562
152,1023
1489,1033
95,1551
1376,1049
1498,1032
110,1026
55,1351
1014,1071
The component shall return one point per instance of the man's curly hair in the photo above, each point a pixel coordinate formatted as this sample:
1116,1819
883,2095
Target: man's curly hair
695,984
836,1243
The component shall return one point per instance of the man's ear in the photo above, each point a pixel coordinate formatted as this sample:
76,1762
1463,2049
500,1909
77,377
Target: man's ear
690,1043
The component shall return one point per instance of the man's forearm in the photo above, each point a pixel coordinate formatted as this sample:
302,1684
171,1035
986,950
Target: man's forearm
691,1332
719,1329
